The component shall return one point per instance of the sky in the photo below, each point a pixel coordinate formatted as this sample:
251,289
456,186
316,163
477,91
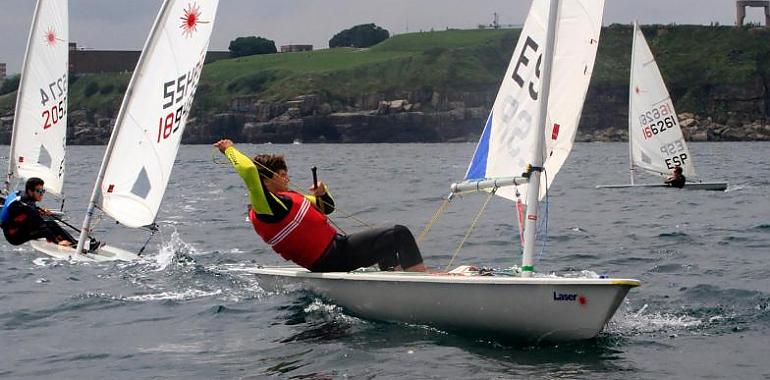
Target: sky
123,25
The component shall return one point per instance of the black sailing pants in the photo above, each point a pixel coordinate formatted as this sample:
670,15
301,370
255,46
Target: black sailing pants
388,247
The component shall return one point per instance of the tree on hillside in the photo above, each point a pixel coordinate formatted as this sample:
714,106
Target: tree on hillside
359,36
10,84
244,46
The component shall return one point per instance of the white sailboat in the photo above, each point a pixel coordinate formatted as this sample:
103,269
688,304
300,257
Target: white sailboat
556,50
655,141
38,140
140,154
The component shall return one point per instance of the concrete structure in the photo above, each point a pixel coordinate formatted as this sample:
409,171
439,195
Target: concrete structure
295,48
741,10
110,61
2,72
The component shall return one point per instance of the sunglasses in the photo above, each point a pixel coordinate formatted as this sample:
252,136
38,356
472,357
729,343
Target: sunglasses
40,191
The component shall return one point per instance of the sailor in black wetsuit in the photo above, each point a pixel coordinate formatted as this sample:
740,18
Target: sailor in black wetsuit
677,179
23,221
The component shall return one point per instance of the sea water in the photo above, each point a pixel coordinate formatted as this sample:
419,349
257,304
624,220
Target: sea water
702,258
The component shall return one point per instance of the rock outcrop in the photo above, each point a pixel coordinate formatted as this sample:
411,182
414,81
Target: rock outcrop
419,116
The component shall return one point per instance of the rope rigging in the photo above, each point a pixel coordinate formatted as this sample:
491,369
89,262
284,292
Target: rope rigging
471,228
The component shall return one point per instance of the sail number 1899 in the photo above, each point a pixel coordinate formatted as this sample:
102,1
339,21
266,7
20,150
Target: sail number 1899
166,125
177,93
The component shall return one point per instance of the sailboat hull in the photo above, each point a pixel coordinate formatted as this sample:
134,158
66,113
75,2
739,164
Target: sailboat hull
553,309
712,186
104,253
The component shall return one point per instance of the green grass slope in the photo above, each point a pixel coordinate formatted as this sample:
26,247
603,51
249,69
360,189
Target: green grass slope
691,58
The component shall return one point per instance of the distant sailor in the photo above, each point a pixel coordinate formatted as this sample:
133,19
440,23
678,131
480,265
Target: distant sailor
23,221
676,179
296,226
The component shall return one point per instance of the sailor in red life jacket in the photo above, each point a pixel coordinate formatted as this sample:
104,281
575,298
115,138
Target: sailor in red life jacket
296,226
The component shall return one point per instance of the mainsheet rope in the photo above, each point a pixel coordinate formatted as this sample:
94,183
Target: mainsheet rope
345,215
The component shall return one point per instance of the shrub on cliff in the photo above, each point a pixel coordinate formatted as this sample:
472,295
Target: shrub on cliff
91,89
10,84
245,46
360,36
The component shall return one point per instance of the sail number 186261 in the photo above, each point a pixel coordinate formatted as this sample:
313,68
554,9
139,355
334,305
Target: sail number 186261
657,120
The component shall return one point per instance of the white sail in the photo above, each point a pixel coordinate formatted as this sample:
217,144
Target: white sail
506,145
657,144
40,124
147,135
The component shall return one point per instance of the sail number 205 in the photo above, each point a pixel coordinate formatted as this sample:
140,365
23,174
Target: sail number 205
53,99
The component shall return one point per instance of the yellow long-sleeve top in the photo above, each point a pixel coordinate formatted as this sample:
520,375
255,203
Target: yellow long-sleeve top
269,207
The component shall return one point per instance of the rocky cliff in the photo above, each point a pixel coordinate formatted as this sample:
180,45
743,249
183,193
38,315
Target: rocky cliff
439,87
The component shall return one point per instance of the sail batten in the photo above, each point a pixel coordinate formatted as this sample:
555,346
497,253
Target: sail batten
38,141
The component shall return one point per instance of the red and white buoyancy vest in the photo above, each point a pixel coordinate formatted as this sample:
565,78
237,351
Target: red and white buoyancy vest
302,236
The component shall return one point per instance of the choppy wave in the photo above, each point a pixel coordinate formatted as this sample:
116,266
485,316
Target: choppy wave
174,250
643,321
174,296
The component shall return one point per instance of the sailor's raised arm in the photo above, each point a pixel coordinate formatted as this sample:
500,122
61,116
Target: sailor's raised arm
248,172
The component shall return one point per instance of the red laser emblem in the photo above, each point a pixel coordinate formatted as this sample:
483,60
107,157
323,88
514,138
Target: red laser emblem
191,19
50,37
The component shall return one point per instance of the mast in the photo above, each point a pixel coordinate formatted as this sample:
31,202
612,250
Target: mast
630,105
86,229
12,154
533,189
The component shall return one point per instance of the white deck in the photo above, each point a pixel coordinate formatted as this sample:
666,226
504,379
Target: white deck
103,253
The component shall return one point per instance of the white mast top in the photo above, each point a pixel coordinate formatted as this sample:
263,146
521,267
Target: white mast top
630,100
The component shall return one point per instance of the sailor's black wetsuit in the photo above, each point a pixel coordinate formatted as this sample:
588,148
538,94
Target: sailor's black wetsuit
676,181
24,223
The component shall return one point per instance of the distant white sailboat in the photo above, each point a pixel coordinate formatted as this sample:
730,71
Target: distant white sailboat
655,140
543,91
140,154
38,140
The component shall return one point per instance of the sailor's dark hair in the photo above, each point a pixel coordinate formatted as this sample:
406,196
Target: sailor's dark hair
32,183
678,169
268,164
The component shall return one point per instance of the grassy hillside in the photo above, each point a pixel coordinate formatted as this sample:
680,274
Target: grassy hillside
690,57
406,62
